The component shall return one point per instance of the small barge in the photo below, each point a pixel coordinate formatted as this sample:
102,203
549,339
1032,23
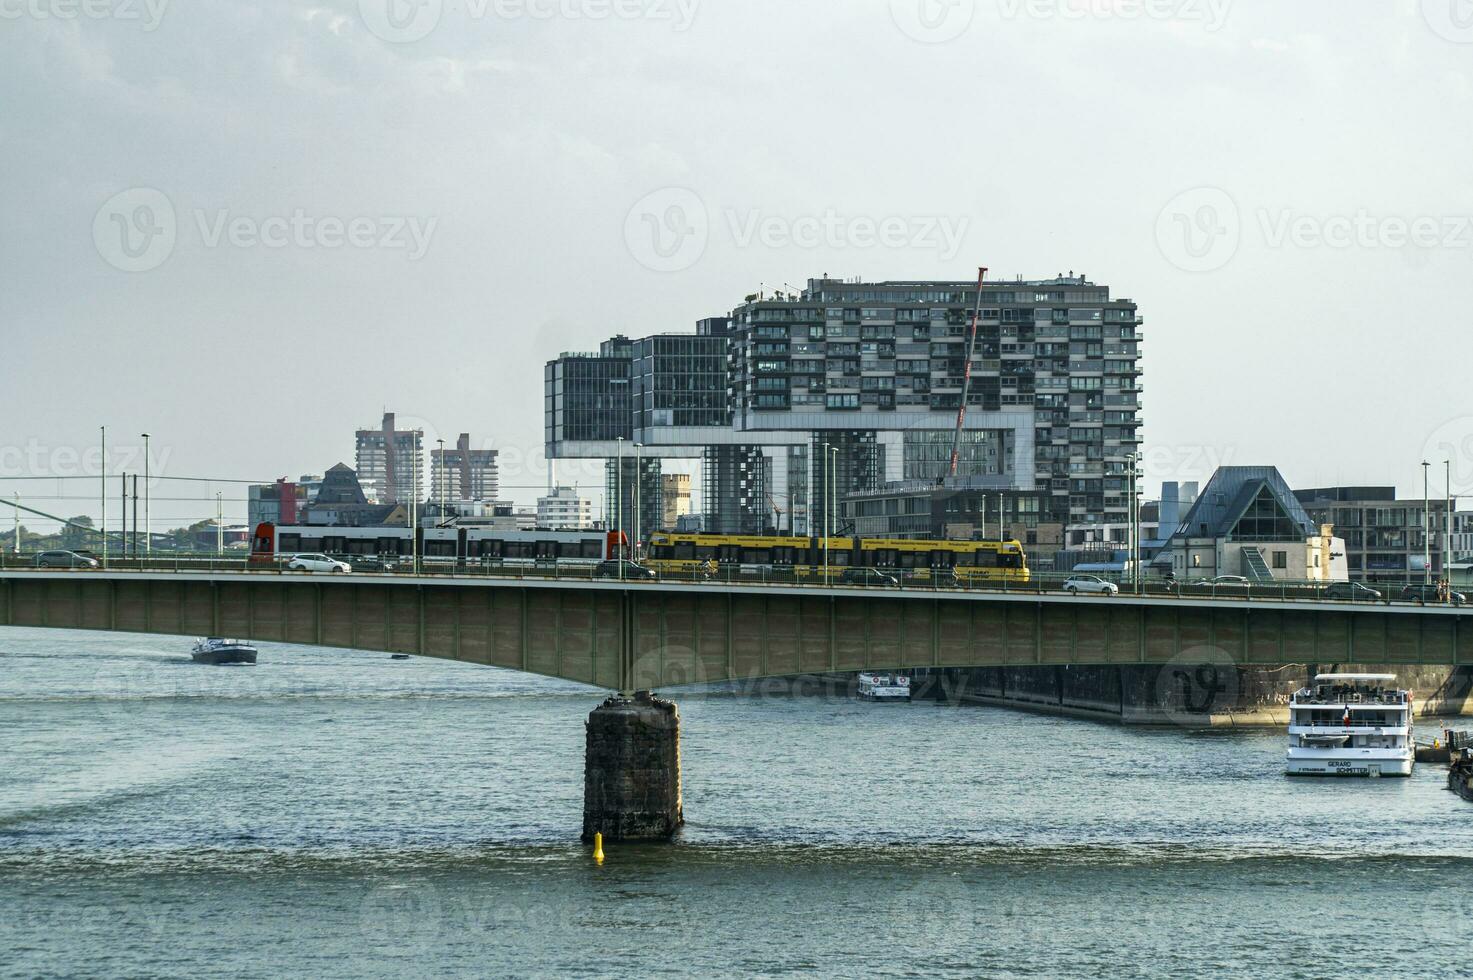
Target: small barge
884,687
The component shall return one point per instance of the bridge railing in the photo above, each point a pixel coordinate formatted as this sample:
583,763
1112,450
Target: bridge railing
1039,583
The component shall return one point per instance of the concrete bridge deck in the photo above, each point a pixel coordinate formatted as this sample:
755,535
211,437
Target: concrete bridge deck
646,635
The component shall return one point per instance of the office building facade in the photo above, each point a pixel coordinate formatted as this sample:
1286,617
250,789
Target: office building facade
847,387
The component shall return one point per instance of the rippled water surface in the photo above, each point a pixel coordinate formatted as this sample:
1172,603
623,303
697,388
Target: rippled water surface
340,814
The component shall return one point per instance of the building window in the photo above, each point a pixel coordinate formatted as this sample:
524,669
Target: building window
1281,559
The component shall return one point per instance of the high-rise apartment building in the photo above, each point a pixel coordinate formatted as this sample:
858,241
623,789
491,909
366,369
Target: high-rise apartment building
849,387
463,473
564,508
390,462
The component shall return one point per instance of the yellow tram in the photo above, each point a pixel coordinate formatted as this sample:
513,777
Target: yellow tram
779,556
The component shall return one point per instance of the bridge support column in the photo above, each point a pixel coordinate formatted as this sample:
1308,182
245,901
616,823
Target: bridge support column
631,769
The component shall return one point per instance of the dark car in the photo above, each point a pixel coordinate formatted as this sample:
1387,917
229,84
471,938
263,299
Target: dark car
867,576
1351,591
64,559
370,563
610,569
1428,593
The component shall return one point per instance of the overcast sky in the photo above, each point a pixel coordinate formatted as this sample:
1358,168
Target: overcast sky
250,228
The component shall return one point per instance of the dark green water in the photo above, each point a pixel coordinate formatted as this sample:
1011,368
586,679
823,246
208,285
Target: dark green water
339,814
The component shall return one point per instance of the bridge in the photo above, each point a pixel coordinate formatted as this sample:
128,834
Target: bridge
629,637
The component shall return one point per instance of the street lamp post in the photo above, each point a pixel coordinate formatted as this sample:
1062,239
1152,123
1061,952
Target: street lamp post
103,518
1447,520
444,480
147,525
834,491
825,471
1426,526
619,506
1135,525
638,494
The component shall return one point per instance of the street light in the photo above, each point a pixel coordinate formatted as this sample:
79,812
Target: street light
103,518
619,507
1133,539
638,493
825,471
1447,520
147,536
444,499
1426,526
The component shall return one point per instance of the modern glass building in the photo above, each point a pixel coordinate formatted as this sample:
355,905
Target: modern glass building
797,400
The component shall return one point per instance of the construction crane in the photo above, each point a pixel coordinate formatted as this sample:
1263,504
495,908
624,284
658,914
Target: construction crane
961,410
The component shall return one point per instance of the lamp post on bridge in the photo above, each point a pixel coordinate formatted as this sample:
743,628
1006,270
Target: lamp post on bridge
619,507
1426,526
147,524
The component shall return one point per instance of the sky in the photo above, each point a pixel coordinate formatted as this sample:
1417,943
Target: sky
249,229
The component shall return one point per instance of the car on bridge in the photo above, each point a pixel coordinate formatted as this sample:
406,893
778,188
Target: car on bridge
316,563
631,570
867,576
1076,584
1428,592
64,559
1351,591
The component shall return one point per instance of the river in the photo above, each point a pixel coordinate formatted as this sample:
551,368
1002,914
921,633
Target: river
335,813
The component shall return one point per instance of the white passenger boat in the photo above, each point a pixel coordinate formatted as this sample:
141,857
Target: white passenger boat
1351,725
884,687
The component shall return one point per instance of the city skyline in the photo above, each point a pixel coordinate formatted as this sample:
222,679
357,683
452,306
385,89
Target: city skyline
1269,269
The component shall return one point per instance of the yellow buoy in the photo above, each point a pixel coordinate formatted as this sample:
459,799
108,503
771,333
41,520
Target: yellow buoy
598,848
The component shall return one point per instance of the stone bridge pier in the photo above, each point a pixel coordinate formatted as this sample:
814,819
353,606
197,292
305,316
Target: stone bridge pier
631,769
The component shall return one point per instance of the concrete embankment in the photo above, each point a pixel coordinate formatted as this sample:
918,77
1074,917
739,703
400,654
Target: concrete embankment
1197,694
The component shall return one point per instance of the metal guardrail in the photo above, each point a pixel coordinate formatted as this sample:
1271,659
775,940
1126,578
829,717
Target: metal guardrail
1039,583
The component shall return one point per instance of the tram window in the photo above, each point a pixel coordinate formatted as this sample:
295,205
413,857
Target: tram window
289,542
333,544
782,555
362,546
439,549
729,553
1009,561
311,544
755,556
592,549
705,552
884,557
388,546
838,557
683,550
941,559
